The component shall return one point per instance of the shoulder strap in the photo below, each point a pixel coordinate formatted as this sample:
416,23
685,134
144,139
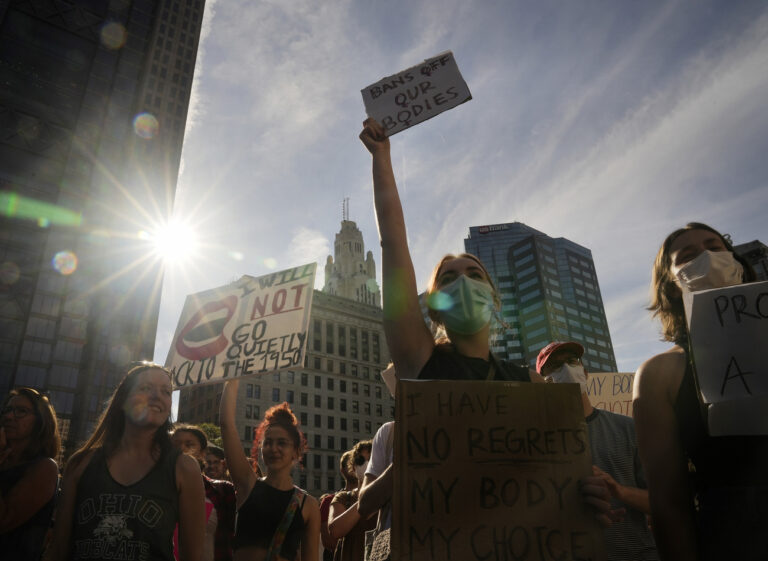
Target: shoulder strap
282,530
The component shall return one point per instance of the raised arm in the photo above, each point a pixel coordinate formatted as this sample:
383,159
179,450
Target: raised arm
189,484
409,340
666,467
239,468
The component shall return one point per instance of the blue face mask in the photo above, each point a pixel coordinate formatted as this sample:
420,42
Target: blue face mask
465,306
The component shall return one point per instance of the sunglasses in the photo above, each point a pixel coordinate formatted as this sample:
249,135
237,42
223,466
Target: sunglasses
17,411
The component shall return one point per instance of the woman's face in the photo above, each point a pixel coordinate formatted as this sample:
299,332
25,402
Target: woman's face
18,418
188,443
149,402
278,448
451,270
689,245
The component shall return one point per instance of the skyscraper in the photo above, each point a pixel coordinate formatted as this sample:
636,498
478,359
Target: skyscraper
93,107
549,292
338,396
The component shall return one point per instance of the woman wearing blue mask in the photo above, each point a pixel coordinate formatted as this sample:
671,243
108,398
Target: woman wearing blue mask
461,299
718,509
460,295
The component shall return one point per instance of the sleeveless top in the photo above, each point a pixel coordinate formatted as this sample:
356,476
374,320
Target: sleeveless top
128,522
446,363
26,541
729,482
261,514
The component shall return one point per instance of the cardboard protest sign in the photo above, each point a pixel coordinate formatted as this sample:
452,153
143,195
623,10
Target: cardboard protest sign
611,391
416,94
728,328
252,326
490,470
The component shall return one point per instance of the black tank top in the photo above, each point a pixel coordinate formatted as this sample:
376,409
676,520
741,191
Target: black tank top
128,522
447,364
261,514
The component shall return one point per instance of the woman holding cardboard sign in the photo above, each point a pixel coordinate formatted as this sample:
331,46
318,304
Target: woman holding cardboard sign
461,298
729,484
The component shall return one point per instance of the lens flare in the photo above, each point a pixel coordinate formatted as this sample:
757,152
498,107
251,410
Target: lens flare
439,301
236,255
65,262
113,35
270,263
145,125
43,222
372,286
175,242
9,273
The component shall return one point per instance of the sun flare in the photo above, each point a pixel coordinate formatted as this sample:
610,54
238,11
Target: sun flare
175,243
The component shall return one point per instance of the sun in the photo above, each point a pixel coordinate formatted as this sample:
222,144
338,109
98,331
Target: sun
175,243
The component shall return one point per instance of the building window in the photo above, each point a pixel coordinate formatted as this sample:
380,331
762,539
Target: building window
343,386
355,407
356,425
304,378
344,442
248,433
367,408
249,412
317,382
318,441
249,390
354,370
276,377
342,368
343,426
367,390
256,391
378,392
368,427
378,410
329,366
331,463
330,403
275,394
342,404
318,421
331,482
318,461
353,342
303,419
330,423
329,383
304,398
342,341
289,396
317,336
355,389
329,338
318,402
317,363
376,349
331,443
366,373
364,341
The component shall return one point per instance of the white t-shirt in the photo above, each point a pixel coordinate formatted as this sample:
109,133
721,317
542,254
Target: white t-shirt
380,460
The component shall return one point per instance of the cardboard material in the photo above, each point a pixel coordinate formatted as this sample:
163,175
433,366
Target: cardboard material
611,391
728,328
252,326
416,94
490,470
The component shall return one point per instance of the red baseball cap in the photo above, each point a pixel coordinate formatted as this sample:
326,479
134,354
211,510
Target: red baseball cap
547,351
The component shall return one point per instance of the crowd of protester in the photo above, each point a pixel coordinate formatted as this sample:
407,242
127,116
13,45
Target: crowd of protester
141,488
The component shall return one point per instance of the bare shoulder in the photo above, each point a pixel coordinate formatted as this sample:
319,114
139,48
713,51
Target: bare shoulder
187,466
311,503
77,464
660,375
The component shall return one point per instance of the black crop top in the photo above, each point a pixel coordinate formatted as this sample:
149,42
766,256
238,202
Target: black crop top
446,363
261,514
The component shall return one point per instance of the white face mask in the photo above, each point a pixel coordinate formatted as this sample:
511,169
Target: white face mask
360,471
710,269
568,374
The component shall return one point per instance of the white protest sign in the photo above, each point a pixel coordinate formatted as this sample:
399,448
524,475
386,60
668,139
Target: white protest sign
611,391
728,328
252,326
416,94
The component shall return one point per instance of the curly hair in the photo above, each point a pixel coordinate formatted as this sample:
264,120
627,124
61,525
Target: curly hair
666,300
280,416
45,438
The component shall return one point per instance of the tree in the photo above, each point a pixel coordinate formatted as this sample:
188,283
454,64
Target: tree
212,433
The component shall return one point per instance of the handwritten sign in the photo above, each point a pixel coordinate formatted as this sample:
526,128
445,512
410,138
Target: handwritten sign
252,326
611,391
490,470
728,328
416,94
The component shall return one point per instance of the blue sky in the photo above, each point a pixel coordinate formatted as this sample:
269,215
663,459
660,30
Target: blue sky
609,123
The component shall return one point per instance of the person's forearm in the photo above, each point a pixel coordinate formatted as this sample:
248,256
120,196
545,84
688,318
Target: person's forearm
674,531
635,498
340,525
376,494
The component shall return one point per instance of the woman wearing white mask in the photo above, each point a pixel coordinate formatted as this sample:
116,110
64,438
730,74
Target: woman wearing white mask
725,477
461,299
344,522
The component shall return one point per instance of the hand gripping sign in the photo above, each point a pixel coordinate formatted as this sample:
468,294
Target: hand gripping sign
252,326
416,94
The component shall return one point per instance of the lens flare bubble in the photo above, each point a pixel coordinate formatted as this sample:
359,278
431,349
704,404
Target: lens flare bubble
113,35
270,263
65,262
142,235
145,125
372,285
9,273
236,255
439,301
43,222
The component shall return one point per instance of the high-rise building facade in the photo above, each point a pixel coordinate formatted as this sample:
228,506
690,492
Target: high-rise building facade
756,253
339,396
93,103
549,292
